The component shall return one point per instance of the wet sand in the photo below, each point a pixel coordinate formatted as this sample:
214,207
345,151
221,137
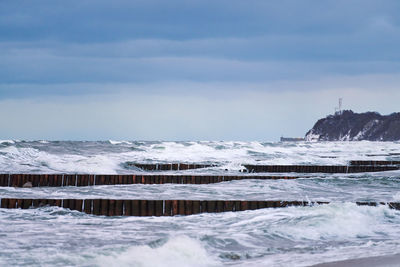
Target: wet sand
379,261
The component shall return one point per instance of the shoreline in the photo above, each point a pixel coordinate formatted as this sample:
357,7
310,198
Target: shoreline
376,261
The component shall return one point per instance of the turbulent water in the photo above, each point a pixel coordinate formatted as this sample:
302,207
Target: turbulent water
295,236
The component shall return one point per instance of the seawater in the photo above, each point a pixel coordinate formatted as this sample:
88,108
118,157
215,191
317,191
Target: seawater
294,236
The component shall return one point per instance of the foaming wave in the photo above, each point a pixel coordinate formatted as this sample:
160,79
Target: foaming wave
396,197
336,221
322,233
16,159
7,142
119,142
267,153
109,157
178,251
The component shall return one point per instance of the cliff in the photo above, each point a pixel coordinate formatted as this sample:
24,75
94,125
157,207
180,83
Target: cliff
350,126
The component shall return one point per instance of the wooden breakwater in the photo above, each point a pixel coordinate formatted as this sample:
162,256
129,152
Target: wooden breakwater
36,180
54,180
318,169
168,166
135,207
353,167
374,162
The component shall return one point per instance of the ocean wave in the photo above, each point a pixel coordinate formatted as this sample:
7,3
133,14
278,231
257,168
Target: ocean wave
336,221
296,236
7,142
109,157
177,251
32,160
119,142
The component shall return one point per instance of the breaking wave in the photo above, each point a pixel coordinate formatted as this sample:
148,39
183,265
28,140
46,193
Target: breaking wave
178,251
109,157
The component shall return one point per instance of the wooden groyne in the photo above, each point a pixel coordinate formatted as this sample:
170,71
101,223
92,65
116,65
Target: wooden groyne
168,166
318,169
383,155
353,167
135,207
54,180
373,162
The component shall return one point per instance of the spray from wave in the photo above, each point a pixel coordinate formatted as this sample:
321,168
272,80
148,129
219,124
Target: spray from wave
178,251
110,156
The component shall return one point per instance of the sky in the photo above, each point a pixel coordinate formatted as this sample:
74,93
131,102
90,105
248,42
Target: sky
192,70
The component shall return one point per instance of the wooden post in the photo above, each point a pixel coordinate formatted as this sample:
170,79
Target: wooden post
78,205
50,202
175,207
111,207
26,203
158,208
211,206
229,205
188,207
72,204
57,202
4,203
220,206
96,206
167,208
151,208
135,208
12,203
196,207
3,180
253,205
104,207
128,207
244,206
65,203
118,207
143,207
88,206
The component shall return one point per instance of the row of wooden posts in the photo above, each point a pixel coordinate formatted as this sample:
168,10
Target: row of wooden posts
374,162
123,207
318,169
353,167
119,207
36,180
168,166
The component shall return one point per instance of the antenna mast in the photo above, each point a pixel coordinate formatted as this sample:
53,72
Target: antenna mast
338,110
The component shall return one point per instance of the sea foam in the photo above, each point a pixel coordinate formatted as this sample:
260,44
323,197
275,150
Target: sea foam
180,251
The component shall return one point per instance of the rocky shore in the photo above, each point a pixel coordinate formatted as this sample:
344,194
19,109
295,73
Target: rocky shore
350,126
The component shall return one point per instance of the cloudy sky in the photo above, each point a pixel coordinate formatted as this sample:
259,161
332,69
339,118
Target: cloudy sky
192,70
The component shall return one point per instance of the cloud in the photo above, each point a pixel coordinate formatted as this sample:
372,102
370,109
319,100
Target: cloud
142,61
50,42
197,111
100,20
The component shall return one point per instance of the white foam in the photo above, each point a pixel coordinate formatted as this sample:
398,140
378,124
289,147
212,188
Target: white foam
396,197
334,222
119,142
7,142
229,155
346,230
178,251
33,160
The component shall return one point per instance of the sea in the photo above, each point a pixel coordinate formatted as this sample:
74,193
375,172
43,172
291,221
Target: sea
293,236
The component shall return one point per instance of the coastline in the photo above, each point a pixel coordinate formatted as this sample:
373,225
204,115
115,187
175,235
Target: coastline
376,261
